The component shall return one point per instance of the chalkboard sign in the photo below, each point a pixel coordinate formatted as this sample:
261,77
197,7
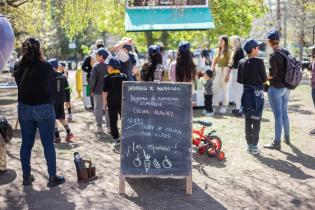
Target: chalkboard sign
156,129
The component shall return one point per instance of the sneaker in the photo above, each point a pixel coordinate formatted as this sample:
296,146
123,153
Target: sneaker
209,114
116,142
222,110
204,111
55,181
69,137
287,141
57,140
2,172
99,129
254,150
27,180
249,148
312,132
273,146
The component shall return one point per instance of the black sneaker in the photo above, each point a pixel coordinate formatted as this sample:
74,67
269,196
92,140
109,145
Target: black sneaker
27,180
287,141
55,181
2,172
273,146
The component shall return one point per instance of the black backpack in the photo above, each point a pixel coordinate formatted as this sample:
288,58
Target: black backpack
6,130
293,71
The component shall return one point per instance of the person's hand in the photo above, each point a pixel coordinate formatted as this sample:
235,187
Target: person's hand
92,94
67,104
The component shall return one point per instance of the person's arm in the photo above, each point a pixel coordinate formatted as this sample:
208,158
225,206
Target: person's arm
105,91
93,80
263,71
227,77
240,76
273,67
120,44
105,98
215,59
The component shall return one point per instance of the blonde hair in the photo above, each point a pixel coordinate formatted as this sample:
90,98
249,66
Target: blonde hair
235,42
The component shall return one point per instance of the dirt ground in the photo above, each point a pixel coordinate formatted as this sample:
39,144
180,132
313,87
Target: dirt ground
273,180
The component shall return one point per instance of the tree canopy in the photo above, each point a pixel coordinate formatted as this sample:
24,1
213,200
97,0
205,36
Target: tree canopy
77,20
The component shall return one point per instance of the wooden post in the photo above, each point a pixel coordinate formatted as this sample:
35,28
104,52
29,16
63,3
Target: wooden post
16,124
122,184
189,185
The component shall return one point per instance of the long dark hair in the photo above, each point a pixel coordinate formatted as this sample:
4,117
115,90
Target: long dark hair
148,69
185,67
31,52
226,45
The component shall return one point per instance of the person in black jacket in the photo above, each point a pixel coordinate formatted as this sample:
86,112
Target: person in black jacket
112,93
62,92
35,79
278,93
252,74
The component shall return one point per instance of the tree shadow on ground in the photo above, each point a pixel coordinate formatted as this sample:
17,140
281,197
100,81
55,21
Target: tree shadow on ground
297,108
284,167
42,199
7,102
300,157
66,146
153,193
7,177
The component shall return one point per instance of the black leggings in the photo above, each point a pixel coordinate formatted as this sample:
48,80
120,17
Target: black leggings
208,103
114,111
252,129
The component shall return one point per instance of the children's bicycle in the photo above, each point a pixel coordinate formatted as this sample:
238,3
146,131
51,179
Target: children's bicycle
210,143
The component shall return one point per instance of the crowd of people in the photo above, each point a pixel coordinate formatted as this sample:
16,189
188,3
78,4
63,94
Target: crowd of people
41,103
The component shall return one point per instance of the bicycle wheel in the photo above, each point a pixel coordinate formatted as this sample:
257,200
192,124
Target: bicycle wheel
215,145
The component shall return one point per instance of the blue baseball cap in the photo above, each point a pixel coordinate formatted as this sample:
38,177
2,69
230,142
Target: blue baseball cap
154,49
273,35
101,51
184,46
128,47
114,62
251,44
54,62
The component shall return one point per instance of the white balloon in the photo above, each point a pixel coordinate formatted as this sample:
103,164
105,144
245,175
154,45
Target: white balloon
7,41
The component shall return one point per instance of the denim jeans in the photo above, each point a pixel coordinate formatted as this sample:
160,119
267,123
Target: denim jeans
31,118
278,100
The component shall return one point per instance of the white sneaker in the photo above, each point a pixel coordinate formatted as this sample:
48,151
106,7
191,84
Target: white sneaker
116,142
209,114
222,110
204,111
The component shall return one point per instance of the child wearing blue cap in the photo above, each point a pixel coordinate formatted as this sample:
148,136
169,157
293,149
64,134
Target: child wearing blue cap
62,92
252,74
98,73
112,93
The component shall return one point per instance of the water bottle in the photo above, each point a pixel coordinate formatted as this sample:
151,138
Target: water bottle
79,164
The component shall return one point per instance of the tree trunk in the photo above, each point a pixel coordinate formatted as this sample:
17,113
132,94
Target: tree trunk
279,16
149,38
302,34
164,38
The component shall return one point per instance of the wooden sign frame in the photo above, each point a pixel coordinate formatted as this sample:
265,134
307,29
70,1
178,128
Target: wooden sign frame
122,177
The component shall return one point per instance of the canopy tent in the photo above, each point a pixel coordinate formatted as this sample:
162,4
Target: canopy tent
170,19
